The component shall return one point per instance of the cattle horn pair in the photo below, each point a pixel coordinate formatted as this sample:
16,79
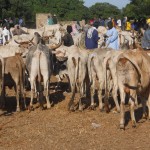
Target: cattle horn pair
56,46
27,42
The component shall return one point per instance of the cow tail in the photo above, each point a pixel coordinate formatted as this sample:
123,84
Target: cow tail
106,103
21,67
76,65
39,73
90,61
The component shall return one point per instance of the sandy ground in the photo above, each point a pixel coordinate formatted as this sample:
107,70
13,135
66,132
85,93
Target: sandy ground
59,129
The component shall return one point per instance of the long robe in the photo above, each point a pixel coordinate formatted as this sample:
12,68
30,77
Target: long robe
146,39
112,39
91,39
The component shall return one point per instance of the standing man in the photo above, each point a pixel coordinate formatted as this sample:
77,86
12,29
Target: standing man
67,39
128,25
55,19
119,23
50,20
6,35
91,38
146,37
112,37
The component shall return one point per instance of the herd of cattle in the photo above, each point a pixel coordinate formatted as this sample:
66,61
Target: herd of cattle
33,57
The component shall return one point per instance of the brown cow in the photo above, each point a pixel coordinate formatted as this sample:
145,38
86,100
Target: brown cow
13,70
133,79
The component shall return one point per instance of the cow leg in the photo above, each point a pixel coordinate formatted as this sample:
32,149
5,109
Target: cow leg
115,86
132,100
122,109
32,82
143,101
46,93
114,94
70,104
2,101
81,96
92,92
148,104
16,87
58,82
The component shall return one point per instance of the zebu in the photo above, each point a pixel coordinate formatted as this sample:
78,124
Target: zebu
39,68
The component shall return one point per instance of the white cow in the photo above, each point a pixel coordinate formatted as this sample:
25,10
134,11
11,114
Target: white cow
39,67
77,70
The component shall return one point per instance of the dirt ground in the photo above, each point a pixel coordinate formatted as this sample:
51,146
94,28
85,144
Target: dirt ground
59,129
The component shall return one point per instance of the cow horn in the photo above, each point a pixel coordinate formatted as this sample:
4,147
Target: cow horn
17,42
31,41
56,46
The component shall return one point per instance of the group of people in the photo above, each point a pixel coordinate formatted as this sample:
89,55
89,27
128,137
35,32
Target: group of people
6,35
91,39
111,36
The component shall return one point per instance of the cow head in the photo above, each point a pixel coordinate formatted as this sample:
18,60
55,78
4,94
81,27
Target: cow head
25,44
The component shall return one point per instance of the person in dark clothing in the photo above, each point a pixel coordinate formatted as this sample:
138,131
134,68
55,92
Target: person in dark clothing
146,37
67,39
55,19
18,31
96,23
91,38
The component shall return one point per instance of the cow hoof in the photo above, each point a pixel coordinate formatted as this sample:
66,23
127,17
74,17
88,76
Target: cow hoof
107,109
92,107
72,108
122,127
102,110
133,124
144,116
18,110
31,108
81,109
49,106
115,111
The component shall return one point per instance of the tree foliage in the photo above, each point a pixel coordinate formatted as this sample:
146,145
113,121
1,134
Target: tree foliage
137,8
104,10
65,9
70,9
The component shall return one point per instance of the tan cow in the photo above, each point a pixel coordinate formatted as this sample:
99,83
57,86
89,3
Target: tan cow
13,70
133,74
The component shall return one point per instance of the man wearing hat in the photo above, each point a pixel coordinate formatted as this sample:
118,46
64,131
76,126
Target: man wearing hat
146,37
91,38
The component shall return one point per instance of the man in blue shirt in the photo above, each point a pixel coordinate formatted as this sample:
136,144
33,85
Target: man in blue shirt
91,38
146,37
112,34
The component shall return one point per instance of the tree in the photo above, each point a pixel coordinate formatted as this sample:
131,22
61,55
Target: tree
104,10
137,8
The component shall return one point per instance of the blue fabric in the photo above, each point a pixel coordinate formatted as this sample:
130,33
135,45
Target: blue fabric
146,39
112,39
50,21
92,42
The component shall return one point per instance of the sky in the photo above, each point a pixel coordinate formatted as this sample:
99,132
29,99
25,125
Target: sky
119,3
